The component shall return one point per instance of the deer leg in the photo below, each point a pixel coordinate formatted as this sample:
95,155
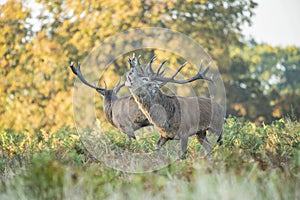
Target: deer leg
201,136
184,143
220,141
161,141
129,132
131,136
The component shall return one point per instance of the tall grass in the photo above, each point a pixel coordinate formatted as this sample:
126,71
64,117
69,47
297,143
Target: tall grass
255,162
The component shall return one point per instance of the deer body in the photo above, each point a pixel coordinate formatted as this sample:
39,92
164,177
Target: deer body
175,117
123,113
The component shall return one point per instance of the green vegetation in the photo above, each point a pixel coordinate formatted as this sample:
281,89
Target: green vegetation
255,162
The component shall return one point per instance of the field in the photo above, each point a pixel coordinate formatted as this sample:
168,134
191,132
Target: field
255,162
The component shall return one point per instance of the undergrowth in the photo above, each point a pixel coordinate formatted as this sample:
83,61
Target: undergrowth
254,162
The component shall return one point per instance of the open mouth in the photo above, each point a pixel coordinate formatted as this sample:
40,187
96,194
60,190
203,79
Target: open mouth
128,81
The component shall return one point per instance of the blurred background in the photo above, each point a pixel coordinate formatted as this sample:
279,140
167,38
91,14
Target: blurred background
259,64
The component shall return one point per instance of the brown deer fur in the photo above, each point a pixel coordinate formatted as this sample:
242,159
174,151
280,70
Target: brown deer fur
123,113
175,117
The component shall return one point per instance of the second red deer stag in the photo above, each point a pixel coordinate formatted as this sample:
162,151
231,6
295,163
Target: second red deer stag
123,112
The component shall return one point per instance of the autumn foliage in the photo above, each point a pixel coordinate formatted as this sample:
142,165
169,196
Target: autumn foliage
39,39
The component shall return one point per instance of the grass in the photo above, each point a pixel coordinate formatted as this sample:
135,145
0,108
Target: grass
255,162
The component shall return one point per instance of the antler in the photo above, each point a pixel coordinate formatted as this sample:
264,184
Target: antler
132,61
200,75
159,68
78,73
135,64
118,87
149,66
158,75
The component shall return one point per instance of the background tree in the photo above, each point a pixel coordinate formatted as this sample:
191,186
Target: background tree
37,45
269,84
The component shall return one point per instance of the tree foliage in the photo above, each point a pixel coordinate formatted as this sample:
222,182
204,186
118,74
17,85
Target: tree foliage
36,46
267,81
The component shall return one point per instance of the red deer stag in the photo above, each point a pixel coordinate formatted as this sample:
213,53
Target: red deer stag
123,113
175,117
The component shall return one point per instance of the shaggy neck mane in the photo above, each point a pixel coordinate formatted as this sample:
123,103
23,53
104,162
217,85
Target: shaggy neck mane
108,110
146,99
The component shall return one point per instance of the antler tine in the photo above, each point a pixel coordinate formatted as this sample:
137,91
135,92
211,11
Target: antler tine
118,86
105,86
207,68
139,65
138,60
175,74
179,69
162,73
159,68
131,62
73,68
135,64
78,73
118,83
149,66
200,75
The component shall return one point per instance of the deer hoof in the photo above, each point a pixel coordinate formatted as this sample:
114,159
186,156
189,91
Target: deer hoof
183,156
